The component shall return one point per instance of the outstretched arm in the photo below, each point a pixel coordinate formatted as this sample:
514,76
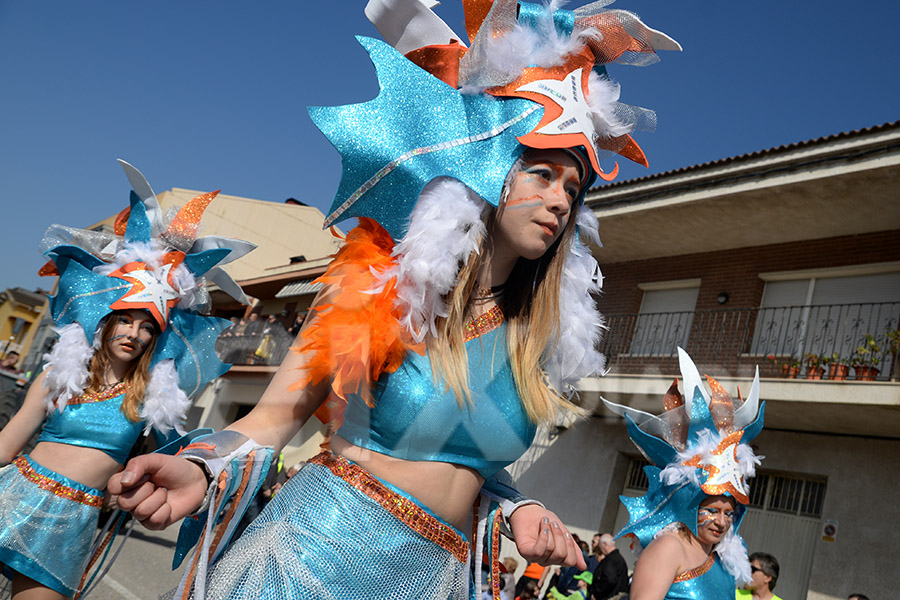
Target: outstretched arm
24,423
160,490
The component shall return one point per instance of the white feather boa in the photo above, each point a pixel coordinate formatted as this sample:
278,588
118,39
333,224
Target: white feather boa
66,366
165,404
575,354
733,554
446,226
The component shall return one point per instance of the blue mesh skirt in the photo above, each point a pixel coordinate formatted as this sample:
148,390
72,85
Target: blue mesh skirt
337,532
47,522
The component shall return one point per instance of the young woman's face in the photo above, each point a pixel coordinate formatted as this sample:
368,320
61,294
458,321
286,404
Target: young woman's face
132,332
714,519
538,205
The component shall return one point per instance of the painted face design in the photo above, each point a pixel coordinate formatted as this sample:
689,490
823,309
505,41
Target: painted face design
714,519
131,334
538,205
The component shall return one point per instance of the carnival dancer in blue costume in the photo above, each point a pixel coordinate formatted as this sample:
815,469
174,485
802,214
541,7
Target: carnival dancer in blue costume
132,348
687,521
455,320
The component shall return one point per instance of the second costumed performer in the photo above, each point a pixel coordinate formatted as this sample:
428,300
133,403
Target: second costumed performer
134,346
697,496
455,320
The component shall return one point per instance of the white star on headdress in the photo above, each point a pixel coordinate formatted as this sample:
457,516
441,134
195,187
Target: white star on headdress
567,94
725,475
150,290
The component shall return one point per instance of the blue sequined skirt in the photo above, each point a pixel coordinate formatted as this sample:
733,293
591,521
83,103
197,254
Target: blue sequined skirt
47,523
334,531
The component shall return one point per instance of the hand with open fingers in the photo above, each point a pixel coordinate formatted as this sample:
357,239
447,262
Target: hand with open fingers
158,489
541,537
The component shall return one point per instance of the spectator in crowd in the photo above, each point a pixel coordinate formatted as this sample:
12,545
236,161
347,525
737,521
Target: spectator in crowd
508,579
272,342
9,362
611,575
582,591
529,591
252,332
594,557
565,580
533,574
298,325
764,575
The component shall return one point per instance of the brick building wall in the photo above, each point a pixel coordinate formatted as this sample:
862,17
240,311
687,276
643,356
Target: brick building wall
736,271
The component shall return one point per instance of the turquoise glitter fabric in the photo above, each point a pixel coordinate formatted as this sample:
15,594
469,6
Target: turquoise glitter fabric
100,425
42,535
715,584
416,419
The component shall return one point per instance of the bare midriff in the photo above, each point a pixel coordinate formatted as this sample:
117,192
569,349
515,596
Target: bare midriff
87,466
448,490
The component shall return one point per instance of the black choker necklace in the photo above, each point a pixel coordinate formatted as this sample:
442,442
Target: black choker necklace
492,293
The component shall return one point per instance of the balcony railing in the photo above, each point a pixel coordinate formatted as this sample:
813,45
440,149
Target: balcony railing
734,341
265,348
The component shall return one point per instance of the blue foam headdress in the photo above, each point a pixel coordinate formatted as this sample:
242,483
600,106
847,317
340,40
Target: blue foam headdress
149,265
533,77
699,447
436,147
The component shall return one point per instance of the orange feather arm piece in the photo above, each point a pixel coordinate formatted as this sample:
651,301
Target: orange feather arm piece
357,336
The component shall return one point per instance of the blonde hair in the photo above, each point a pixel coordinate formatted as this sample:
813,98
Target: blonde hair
136,377
531,307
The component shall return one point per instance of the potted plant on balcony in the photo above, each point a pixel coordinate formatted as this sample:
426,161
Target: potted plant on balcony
838,367
865,359
814,368
892,339
790,368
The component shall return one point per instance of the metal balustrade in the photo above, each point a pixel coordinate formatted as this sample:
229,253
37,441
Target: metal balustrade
734,341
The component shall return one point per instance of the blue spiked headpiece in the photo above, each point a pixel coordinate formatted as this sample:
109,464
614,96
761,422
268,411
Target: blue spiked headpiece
698,447
532,77
144,264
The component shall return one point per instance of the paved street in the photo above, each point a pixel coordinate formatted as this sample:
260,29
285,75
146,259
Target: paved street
143,570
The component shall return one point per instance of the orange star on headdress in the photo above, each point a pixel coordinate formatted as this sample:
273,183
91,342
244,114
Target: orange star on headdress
724,471
567,122
153,290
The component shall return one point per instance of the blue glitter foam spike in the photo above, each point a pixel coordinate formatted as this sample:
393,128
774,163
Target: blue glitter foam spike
138,229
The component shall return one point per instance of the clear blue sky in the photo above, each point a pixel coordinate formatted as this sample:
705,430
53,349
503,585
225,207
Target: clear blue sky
212,95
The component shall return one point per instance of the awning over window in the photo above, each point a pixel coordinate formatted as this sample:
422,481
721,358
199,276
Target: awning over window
299,288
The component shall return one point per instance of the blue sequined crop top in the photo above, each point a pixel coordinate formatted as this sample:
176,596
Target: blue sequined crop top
94,421
709,581
415,419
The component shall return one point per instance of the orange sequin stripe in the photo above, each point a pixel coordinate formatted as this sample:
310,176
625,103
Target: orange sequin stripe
412,515
483,324
697,571
55,487
495,553
116,390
